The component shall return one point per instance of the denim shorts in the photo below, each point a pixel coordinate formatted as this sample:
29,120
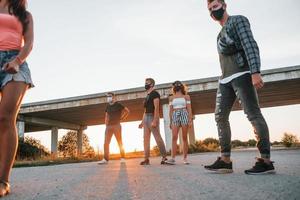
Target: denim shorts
22,76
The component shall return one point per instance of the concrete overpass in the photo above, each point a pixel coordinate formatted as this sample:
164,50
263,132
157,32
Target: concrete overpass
282,87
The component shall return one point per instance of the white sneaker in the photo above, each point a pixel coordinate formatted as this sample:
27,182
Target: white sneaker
170,162
102,162
122,160
186,162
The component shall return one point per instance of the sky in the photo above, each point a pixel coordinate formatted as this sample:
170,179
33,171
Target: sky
86,47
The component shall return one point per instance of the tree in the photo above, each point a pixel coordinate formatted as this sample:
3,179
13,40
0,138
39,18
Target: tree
252,143
289,139
68,145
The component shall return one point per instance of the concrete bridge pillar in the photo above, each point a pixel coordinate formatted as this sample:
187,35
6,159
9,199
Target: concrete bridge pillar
168,131
192,138
79,141
54,141
21,129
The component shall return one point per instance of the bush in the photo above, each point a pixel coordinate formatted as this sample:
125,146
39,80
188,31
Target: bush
156,150
31,149
208,141
211,147
199,147
289,140
276,143
238,143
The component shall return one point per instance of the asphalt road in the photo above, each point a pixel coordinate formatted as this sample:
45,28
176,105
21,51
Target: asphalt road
132,181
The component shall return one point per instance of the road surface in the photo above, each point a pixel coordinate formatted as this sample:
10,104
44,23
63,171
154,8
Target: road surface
133,182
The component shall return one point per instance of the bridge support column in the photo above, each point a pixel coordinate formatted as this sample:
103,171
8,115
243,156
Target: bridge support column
168,131
192,138
21,129
54,141
79,141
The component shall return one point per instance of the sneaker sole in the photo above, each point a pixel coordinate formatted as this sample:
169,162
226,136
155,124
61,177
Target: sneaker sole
166,163
221,171
261,173
102,163
145,164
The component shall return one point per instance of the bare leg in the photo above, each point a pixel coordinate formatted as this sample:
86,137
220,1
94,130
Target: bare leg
12,95
175,130
185,140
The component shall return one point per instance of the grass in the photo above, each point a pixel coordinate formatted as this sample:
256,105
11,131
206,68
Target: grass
49,161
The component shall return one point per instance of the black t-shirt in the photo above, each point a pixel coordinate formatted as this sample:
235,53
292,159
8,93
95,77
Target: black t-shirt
149,101
114,112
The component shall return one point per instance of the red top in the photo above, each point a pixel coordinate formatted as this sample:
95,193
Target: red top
11,33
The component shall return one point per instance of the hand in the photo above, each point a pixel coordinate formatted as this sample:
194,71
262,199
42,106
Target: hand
154,124
190,123
141,125
124,117
11,67
257,81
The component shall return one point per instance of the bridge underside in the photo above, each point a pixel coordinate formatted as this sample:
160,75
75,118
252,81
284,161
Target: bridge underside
273,94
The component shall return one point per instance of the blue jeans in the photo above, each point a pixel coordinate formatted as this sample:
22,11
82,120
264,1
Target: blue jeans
23,75
242,89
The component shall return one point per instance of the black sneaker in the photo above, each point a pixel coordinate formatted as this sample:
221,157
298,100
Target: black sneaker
220,167
261,167
163,160
145,162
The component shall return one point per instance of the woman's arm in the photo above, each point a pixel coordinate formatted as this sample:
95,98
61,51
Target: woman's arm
28,40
